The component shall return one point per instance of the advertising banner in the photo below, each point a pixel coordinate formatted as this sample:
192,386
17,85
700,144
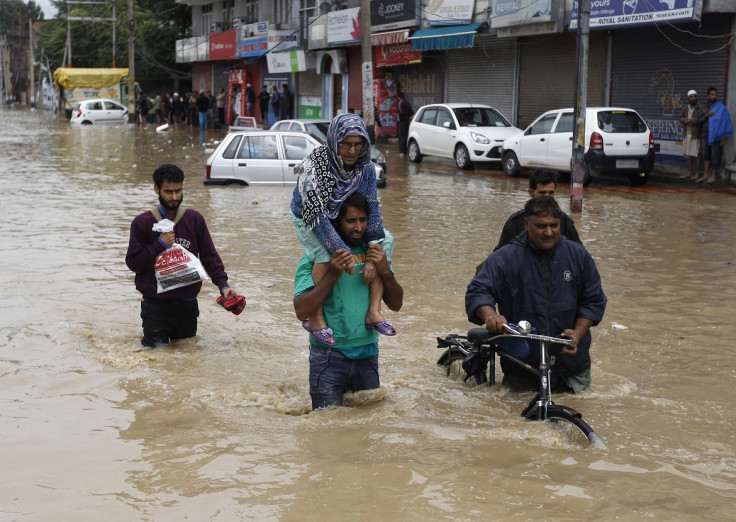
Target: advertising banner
343,26
223,45
397,54
450,12
282,40
293,61
520,12
619,13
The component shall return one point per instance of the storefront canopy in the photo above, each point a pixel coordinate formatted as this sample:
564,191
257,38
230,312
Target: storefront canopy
70,78
444,37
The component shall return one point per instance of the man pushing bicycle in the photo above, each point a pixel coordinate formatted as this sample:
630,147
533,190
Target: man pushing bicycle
548,280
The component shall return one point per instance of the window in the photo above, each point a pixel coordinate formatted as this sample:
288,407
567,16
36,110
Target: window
227,14
428,116
543,126
281,12
566,123
251,11
620,121
307,10
207,18
230,150
112,106
443,116
297,147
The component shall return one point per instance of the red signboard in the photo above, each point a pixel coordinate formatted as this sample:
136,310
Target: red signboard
396,54
223,46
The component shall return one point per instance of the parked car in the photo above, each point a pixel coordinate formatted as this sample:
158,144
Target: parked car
257,157
98,110
616,140
318,129
467,132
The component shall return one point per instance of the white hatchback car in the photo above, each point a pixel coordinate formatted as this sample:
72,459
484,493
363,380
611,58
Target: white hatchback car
467,132
253,157
616,140
98,110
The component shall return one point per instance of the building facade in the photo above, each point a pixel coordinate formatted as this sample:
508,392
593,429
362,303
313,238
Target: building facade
517,55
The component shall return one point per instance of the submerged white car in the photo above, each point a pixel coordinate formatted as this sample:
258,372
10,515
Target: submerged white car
257,157
98,110
469,133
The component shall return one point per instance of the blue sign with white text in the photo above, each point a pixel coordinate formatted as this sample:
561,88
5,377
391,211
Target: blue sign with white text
613,13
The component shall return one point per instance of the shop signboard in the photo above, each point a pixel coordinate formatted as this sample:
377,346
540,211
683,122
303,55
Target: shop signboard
223,45
393,14
623,13
449,12
343,27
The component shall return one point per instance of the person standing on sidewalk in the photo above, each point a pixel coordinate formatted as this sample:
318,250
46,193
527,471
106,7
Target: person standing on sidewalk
691,117
405,113
717,127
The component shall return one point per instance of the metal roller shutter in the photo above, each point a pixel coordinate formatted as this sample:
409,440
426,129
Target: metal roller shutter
547,73
484,74
652,73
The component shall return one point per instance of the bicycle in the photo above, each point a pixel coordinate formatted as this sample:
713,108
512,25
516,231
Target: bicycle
479,348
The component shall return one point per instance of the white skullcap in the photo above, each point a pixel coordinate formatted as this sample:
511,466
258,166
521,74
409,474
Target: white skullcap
691,92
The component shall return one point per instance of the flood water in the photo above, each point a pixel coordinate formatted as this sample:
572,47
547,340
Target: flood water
218,427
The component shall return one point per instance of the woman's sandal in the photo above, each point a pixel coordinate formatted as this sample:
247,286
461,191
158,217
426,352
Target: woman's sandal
321,334
383,327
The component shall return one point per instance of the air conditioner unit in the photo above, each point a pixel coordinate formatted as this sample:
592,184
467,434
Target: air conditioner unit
237,22
216,27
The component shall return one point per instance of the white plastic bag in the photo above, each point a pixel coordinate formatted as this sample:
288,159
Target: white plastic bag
176,266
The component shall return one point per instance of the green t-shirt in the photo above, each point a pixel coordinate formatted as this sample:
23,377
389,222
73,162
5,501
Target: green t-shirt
344,309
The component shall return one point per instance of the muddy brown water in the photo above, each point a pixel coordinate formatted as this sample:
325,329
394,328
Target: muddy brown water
218,427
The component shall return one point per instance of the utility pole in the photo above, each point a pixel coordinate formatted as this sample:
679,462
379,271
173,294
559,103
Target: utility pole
367,67
581,95
32,95
131,63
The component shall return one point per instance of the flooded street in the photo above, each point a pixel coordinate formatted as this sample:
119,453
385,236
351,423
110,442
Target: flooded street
219,427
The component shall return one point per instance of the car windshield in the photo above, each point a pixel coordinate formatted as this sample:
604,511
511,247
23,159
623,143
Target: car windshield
620,121
480,117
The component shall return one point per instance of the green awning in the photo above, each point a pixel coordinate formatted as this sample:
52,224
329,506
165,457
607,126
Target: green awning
444,37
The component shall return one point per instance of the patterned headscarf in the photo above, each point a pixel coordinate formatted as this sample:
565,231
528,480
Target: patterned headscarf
324,183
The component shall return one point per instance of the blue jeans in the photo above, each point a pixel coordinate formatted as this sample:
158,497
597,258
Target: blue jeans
331,374
202,121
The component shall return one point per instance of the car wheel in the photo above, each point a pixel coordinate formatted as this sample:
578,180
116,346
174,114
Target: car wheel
86,122
414,155
511,164
639,179
462,158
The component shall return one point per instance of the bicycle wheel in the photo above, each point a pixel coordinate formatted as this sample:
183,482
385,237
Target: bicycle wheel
453,363
570,424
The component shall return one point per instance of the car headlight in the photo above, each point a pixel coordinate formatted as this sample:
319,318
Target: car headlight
479,138
379,158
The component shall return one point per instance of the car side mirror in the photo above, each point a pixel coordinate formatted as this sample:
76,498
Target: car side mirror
448,125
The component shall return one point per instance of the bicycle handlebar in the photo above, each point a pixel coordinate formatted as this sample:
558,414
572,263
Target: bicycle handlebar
482,335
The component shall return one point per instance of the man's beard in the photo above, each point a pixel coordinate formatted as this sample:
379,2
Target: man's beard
170,206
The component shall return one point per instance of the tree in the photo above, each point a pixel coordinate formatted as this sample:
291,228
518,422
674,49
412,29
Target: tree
159,24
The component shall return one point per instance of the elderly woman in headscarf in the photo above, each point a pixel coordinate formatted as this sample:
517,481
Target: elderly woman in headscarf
327,176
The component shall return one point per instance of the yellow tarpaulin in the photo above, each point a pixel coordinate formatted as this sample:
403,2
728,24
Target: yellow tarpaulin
70,78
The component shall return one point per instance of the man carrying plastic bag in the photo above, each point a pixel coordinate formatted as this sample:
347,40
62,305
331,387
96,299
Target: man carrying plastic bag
166,261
